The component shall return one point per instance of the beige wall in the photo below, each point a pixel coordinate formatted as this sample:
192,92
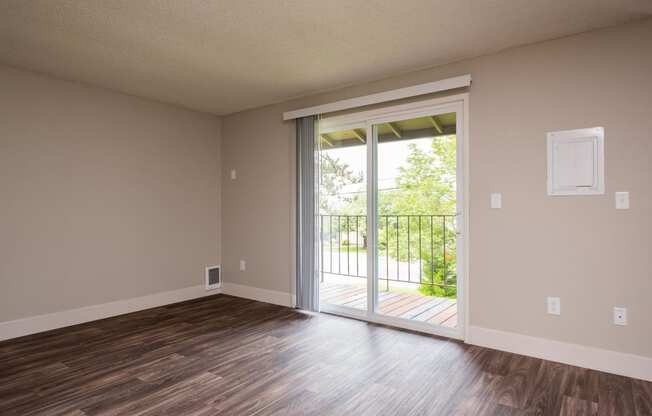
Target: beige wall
103,196
257,207
579,248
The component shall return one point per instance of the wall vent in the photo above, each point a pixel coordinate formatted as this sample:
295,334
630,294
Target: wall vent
213,277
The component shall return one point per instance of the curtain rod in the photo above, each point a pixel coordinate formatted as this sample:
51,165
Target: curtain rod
381,97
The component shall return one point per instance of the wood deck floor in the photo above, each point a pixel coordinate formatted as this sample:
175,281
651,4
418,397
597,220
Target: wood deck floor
417,307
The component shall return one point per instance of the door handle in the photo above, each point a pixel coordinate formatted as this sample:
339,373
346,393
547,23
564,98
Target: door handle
456,224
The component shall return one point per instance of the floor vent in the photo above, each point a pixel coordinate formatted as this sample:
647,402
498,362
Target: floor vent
213,277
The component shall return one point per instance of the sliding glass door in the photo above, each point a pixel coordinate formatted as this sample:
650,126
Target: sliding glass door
391,220
343,218
416,213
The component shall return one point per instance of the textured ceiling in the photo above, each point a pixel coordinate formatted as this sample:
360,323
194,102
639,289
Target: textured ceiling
229,55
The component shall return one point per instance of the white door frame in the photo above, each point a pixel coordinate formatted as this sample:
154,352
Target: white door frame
369,119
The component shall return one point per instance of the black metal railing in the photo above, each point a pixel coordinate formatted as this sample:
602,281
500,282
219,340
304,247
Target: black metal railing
418,249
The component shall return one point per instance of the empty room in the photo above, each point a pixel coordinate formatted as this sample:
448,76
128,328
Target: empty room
299,207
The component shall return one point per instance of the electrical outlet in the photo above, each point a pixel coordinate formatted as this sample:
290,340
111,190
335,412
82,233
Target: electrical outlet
554,305
234,175
243,265
620,315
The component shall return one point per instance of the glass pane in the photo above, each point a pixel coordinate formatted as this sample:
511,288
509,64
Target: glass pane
343,218
417,165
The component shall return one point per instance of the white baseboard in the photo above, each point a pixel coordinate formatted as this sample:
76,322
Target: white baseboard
624,364
40,323
255,293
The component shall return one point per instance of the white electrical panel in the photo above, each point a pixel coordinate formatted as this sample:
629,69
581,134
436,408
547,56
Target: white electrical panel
576,162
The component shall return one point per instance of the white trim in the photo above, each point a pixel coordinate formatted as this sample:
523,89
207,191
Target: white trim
624,364
372,204
46,322
463,294
397,94
389,113
376,318
256,293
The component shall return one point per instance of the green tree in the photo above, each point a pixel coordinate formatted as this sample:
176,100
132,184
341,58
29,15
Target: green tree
426,183
425,186
334,175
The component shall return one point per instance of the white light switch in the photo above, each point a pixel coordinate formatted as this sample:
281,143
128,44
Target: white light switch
554,305
243,265
622,200
234,175
496,201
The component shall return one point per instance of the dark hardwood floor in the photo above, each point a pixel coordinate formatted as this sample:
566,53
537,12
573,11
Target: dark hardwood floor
229,356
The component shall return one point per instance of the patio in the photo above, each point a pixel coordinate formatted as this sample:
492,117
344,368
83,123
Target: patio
413,306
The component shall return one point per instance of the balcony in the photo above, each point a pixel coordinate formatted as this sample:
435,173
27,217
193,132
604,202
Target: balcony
416,265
